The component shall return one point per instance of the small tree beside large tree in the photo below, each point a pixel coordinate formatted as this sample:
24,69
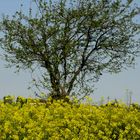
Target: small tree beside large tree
72,41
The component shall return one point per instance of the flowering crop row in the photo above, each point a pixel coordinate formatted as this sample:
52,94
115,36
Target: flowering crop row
68,121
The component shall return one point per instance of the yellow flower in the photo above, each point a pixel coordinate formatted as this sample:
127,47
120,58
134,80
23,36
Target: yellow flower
15,137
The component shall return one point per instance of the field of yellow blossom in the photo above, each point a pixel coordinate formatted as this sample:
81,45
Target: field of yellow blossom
59,120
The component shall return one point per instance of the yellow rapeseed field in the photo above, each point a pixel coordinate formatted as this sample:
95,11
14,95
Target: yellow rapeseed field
59,120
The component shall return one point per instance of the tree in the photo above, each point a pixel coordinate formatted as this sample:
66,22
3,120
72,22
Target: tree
72,42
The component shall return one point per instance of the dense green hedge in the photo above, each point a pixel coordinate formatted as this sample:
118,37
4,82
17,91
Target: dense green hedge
60,120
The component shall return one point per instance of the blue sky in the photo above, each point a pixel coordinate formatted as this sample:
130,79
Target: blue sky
114,86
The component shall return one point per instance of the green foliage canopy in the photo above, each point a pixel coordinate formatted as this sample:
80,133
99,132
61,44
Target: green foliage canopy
74,42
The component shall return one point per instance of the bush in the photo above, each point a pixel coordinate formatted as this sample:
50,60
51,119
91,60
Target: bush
8,99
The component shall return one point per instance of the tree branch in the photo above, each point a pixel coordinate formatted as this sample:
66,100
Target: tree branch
76,73
96,45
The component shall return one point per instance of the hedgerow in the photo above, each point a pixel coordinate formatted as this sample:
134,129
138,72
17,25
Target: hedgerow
61,120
